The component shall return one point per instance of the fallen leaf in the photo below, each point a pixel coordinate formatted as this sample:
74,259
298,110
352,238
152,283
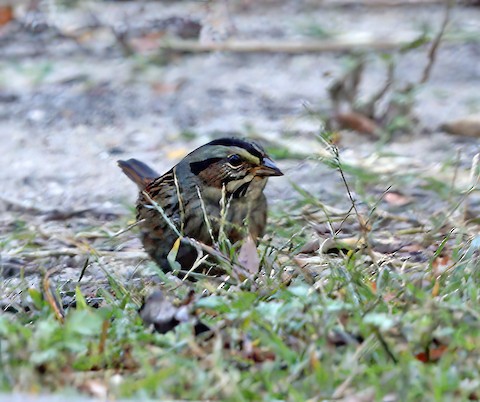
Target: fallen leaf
357,122
397,199
248,256
432,355
6,14
441,264
468,126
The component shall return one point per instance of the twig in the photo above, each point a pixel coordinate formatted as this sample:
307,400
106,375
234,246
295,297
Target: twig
237,269
369,106
385,346
131,226
52,214
50,296
72,252
432,53
84,268
103,336
341,43
360,219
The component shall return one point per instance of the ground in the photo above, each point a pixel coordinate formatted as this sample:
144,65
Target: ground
73,102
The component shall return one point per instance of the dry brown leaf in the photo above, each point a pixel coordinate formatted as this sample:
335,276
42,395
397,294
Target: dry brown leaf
397,199
432,355
468,126
357,122
6,14
441,264
248,256
50,295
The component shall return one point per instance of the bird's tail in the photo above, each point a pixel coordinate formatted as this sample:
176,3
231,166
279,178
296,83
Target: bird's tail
138,172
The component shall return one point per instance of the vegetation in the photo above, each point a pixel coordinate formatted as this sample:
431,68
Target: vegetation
365,287
388,307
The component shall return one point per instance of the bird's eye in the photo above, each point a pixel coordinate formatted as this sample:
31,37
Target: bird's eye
235,160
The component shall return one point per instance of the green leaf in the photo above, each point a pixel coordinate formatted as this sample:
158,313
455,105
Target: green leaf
44,356
244,301
416,43
37,297
215,303
84,322
81,302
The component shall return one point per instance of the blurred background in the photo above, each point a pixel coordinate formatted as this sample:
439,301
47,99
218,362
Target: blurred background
84,83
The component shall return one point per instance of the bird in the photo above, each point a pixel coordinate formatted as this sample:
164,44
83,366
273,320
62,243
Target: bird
217,188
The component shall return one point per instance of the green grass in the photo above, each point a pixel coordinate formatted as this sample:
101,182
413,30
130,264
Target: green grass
322,326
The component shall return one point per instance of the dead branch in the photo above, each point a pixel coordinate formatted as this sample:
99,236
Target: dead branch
72,252
341,43
432,53
369,108
50,296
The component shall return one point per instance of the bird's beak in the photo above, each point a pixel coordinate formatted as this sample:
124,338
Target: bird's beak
268,168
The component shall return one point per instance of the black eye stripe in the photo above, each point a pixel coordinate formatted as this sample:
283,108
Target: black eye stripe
198,167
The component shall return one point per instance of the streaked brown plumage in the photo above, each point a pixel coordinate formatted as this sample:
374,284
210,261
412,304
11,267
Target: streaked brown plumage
235,167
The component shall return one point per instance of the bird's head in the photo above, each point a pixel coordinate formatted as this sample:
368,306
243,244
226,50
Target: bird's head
234,163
